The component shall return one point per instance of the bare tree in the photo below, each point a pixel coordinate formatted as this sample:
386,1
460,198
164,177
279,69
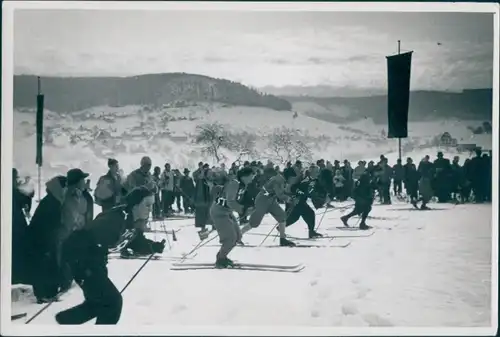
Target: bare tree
285,144
242,143
212,137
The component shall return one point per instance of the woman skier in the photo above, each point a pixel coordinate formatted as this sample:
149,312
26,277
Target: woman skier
86,252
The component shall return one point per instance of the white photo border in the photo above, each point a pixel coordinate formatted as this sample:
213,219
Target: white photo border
8,328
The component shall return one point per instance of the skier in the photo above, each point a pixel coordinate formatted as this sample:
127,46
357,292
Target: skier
86,251
363,197
266,201
228,199
298,207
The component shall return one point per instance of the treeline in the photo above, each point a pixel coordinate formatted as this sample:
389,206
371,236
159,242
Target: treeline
68,94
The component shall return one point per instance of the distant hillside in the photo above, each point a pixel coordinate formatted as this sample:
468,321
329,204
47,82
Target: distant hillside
473,104
322,91
79,93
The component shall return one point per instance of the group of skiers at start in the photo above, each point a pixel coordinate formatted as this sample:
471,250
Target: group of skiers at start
65,242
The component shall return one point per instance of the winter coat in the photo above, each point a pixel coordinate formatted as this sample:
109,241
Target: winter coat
109,191
167,181
411,175
398,171
20,201
425,169
384,174
202,192
46,221
358,171
73,212
187,186
139,178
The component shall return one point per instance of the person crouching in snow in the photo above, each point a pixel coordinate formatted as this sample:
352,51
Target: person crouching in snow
363,197
86,252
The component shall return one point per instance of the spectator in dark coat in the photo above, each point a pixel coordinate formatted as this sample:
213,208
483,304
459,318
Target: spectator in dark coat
21,203
426,173
398,177
411,178
46,277
187,190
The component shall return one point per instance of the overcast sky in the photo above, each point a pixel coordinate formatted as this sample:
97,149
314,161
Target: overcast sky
258,48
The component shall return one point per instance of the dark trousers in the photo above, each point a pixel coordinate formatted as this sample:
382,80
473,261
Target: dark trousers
362,208
177,199
167,200
302,209
187,203
102,301
412,190
384,191
45,277
397,184
157,207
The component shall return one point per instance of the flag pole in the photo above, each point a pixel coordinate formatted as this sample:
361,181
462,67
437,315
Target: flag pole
39,161
399,138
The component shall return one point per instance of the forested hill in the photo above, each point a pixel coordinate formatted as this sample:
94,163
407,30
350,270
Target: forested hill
68,94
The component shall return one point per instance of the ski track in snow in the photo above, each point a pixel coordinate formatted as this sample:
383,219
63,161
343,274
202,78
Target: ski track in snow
423,269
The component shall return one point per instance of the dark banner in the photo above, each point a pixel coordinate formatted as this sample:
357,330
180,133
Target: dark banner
39,129
398,95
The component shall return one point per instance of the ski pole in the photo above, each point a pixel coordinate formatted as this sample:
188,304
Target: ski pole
137,272
199,245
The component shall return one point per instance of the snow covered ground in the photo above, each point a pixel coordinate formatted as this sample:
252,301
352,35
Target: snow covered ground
418,269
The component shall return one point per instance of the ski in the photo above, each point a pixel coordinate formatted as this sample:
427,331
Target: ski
18,316
155,257
351,236
343,228
297,246
239,266
255,265
311,239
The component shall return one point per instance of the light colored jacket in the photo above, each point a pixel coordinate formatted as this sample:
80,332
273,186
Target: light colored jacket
73,212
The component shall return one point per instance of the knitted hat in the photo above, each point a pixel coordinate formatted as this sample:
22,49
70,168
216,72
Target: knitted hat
136,196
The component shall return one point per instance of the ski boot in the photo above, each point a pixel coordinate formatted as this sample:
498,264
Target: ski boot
224,263
286,243
414,203
344,220
364,226
240,243
424,207
313,234
43,300
203,234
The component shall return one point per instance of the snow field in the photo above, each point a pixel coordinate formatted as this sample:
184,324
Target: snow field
419,269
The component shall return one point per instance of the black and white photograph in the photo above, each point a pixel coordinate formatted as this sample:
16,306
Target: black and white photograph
234,168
